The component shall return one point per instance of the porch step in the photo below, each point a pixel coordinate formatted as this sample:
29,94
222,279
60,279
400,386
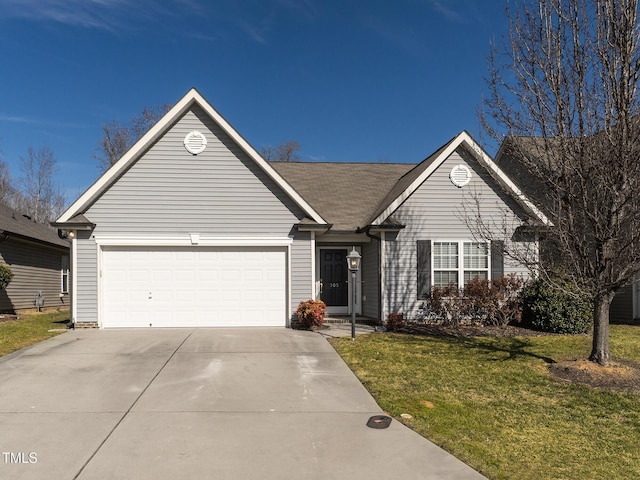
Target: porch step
347,319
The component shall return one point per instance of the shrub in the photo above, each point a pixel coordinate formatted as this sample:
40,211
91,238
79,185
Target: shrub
498,302
311,313
6,275
445,303
556,309
395,321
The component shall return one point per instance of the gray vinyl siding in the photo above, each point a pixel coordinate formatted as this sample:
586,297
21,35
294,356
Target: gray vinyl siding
87,279
435,212
35,268
301,277
370,278
219,192
168,192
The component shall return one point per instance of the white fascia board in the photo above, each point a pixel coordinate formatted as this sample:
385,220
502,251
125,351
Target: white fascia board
256,157
192,96
112,173
502,177
484,159
185,241
393,206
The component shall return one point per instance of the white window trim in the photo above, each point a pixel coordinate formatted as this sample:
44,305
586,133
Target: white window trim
65,272
460,268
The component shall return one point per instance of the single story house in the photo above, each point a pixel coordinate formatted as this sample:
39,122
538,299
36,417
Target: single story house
192,227
39,261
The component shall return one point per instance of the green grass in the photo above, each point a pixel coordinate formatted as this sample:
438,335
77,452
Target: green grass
29,329
492,403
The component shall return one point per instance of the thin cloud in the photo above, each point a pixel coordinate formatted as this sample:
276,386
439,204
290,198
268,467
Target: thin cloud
34,121
109,15
15,119
260,26
445,9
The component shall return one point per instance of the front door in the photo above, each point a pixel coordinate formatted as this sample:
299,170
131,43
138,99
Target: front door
334,286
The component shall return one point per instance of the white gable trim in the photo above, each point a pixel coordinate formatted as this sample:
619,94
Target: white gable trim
464,139
192,97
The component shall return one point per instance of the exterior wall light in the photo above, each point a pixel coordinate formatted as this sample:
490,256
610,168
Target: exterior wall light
353,264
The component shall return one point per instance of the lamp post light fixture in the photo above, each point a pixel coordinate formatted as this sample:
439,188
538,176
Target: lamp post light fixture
353,263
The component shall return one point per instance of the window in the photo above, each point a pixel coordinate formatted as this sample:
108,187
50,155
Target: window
450,269
64,274
456,262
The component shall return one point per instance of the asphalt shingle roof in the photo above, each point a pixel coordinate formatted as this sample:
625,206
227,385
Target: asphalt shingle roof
15,223
345,194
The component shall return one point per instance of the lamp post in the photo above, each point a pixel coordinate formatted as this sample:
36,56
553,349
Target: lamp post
353,263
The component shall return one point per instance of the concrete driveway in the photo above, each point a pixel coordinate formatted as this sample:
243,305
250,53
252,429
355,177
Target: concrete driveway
199,403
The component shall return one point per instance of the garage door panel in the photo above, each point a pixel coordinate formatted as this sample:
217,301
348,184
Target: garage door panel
193,287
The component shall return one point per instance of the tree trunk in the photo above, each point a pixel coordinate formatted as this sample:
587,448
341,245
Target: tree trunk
600,347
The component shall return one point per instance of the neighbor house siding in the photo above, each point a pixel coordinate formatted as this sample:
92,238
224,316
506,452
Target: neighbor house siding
36,268
301,276
169,193
622,306
370,278
436,211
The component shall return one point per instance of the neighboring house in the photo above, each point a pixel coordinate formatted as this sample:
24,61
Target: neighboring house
192,227
39,260
625,307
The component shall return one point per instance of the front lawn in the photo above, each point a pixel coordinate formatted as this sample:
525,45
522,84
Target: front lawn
492,403
29,329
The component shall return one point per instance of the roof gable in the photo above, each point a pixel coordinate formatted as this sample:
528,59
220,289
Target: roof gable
410,182
192,98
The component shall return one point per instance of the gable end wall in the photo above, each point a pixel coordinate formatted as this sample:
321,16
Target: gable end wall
169,192
435,212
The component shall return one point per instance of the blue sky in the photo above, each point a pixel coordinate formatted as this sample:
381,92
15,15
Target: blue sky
350,80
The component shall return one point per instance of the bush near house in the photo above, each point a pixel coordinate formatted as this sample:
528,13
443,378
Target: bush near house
6,275
497,302
311,313
395,322
556,308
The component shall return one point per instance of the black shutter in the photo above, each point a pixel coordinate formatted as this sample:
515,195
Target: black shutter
424,268
497,259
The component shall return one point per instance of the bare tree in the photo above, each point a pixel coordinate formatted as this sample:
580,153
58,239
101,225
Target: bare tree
7,190
40,198
564,96
285,152
118,138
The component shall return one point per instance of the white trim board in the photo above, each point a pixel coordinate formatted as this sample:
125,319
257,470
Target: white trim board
186,241
484,159
192,97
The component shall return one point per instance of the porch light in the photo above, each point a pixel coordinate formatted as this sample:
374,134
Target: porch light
353,263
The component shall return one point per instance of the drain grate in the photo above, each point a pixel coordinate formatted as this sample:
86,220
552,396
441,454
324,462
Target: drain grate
379,421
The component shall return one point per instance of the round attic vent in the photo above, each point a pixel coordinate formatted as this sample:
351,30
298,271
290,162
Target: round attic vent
195,142
460,175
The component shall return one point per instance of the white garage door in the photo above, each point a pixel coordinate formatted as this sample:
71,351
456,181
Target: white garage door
193,287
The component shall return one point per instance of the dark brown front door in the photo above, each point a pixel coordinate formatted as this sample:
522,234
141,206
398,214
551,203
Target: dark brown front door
334,276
